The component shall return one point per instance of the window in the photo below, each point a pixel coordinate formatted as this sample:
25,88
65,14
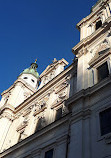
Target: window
49,154
103,71
32,80
98,24
25,77
58,113
105,121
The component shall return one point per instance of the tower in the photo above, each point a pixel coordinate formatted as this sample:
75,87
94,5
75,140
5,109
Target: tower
23,87
93,50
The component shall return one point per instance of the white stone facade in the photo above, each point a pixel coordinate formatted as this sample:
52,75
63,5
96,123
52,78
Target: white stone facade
69,115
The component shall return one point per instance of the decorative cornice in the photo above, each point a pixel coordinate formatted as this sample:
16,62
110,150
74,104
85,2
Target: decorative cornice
22,126
7,115
45,88
58,103
36,112
52,126
88,92
19,81
100,58
92,14
93,36
83,113
51,67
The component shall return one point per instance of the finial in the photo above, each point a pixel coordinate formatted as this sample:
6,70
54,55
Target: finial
35,60
54,60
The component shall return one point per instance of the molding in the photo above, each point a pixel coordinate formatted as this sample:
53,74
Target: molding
38,134
46,87
88,92
36,112
100,58
7,115
91,37
58,103
82,114
52,66
22,126
93,13
19,81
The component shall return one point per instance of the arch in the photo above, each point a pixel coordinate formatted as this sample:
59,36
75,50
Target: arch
98,24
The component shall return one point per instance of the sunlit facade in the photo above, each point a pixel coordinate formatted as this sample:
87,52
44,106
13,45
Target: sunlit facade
63,112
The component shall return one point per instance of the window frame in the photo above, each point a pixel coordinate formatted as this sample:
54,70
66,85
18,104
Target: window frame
99,20
48,151
100,63
101,122
49,147
98,72
98,126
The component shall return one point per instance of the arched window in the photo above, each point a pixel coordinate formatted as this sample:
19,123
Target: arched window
32,80
98,24
25,77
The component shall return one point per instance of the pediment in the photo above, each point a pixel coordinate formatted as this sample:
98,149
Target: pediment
49,67
99,51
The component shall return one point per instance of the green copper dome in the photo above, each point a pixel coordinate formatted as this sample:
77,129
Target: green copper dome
32,70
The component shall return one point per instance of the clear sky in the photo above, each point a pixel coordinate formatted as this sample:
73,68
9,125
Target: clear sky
42,29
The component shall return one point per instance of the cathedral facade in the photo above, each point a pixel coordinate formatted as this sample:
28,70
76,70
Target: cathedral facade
64,112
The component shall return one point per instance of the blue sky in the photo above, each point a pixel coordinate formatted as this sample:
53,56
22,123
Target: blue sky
42,29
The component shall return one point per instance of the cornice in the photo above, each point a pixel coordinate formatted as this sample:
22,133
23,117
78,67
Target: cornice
81,114
46,71
36,112
19,80
46,87
25,84
100,58
93,36
88,92
93,13
7,115
38,134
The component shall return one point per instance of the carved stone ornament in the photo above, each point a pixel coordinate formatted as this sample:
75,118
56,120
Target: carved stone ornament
109,32
22,126
101,47
81,52
40,107
64,110
61,87
62,95
26,95
27,112
7,115
68,77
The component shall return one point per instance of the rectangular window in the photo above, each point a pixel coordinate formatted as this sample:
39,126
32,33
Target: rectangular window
49,154
58,113
103,71
105,121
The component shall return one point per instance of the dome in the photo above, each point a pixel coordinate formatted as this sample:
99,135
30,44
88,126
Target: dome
32,70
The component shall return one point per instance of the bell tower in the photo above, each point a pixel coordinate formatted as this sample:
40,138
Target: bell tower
94,49
23,87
